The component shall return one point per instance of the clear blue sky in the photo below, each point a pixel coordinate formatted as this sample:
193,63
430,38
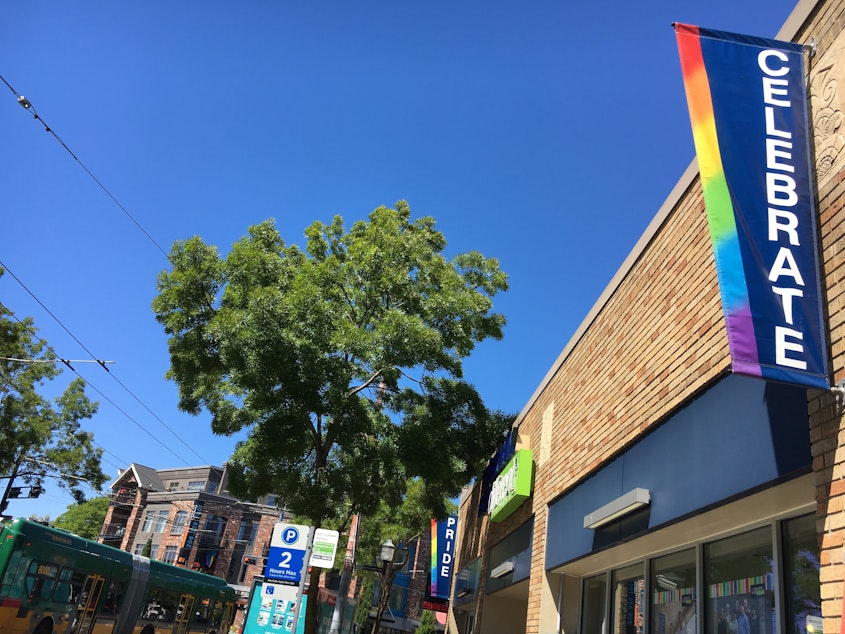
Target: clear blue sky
546,134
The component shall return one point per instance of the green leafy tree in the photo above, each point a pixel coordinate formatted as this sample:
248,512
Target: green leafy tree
85,519
428,623
40,438
342,361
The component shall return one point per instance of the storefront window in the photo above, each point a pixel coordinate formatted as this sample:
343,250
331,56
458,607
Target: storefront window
593,609
628,595
801,575
673,593
740,583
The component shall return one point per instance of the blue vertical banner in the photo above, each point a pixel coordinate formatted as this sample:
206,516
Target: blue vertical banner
442,556
748,107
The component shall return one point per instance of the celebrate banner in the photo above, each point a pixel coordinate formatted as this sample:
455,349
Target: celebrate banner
748,108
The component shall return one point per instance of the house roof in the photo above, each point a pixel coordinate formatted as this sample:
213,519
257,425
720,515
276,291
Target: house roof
143,477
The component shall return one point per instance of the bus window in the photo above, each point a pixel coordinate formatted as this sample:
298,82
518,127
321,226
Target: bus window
69,587
161,607
111,604
40,579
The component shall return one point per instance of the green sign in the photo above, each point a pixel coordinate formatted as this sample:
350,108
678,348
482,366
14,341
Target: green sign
513,486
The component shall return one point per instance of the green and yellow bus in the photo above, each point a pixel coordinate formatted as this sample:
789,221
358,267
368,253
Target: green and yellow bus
53,582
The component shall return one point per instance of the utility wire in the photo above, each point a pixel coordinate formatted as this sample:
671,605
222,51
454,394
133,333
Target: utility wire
103,364
56,360
27,105
108,400
56,319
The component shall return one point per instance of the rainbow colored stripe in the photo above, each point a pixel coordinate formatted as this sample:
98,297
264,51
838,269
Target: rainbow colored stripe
434,551
717,199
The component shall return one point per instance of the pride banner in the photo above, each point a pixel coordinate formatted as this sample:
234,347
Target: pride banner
442,556
748,109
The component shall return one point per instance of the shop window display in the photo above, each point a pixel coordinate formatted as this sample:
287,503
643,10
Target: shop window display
738,595
673,595
628,600
740,584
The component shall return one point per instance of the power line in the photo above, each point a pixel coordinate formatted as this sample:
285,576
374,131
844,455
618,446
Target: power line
108,400
56,360
27,105
102,363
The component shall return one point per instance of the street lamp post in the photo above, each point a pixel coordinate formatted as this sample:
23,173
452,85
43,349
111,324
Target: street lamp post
389,568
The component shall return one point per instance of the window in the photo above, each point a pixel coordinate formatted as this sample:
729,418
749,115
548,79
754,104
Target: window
673,592
215,525
113,598
69,587
801,575
196,485
179,522
738,591
161,520
139,548
169,554
739,582
593,608
173,486
40,579
628,595
148,522
246,532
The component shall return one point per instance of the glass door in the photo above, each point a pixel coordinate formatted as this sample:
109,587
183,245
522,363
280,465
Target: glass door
88,604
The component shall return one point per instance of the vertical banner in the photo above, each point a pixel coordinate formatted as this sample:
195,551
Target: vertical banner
748,109
442,556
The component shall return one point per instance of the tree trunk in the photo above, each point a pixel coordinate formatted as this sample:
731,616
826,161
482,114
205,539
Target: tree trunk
385,585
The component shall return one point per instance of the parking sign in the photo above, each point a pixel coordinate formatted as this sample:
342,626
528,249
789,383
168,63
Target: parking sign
286,557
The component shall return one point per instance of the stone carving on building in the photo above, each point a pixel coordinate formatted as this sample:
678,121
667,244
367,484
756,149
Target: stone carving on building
827,79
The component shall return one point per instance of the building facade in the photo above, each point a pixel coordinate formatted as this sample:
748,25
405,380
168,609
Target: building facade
664,493
187,517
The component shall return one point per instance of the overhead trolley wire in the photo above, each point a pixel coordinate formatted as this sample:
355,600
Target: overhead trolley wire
27,105
102,364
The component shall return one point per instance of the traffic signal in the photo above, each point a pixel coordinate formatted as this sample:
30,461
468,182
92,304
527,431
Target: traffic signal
15,492
35,491
250,561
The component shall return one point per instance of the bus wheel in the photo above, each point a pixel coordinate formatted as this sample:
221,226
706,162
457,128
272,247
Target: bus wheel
45,627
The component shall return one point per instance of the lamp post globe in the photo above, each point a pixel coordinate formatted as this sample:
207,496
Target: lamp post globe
387,551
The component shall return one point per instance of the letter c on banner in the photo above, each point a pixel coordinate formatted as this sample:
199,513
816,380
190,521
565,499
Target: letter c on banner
763,62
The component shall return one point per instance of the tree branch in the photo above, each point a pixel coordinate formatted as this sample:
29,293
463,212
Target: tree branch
365,384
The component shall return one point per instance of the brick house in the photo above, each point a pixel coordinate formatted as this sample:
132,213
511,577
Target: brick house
188,518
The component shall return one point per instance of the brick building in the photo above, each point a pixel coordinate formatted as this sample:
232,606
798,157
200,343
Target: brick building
188,518
667,492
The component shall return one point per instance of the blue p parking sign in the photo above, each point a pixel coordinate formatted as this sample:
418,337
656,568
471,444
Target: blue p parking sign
286,557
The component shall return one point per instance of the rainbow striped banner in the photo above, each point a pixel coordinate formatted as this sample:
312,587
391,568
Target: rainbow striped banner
669,597
748,108
750,585
442,556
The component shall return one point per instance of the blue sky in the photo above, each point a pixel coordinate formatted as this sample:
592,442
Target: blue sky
546,134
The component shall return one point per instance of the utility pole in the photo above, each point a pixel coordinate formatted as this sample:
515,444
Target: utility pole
345,578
